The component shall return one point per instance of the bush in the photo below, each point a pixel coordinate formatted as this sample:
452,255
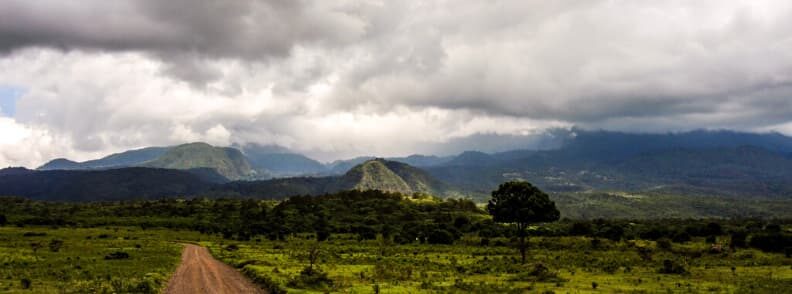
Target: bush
712,229
366,233
612,232
664,244
263,281
33,234
117,255
310,278
55,245
402,239
681,237
672,267
580,229
440,236
772,242
738,239
711,239
539,273
25,283
322,235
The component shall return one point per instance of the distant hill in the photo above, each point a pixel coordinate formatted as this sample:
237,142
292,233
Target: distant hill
276,161
342,166
229,162
373,174
123,159
102,185
694,163
422,160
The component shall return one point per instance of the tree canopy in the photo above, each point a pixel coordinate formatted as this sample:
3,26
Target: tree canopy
521,203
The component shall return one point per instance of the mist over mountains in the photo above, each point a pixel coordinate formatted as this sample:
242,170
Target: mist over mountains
721,163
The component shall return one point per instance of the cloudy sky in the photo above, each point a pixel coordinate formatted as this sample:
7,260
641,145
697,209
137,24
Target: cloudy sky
333,79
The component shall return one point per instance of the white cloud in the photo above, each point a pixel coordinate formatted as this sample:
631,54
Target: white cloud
386,78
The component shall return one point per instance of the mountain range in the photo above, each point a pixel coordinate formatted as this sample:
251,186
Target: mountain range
148,183
691,163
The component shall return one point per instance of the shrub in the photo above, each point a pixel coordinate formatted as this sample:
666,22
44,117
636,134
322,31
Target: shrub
664,244
263,281
712,229
310,278
681,237
322,235
34,234
711,239
772,242
738,240
440,236
55,245
580,229
117,255
612,232
402,239
645,253
672,267
366,233
595,243
539,273
25,283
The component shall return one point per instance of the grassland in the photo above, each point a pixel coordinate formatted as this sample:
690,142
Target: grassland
88,260
555,265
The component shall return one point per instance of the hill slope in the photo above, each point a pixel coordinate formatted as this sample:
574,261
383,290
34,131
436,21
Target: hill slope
694,163
277,161
227,161
102,185
373,174
123,159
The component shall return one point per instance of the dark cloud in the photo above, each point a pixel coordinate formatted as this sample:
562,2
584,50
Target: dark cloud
181,32
343,78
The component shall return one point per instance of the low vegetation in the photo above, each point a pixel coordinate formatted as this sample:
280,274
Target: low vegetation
373,241
36,259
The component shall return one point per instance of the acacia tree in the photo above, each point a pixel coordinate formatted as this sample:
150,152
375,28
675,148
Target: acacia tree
522,204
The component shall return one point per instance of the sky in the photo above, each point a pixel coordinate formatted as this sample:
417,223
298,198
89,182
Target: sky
336,79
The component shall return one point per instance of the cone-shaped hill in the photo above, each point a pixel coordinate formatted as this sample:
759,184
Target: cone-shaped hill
374,174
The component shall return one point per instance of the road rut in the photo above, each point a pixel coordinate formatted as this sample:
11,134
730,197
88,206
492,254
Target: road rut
199,272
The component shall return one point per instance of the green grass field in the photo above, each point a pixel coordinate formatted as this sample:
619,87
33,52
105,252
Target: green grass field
568,265
67,260
75,260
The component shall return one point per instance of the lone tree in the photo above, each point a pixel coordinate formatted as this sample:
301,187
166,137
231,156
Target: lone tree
520,203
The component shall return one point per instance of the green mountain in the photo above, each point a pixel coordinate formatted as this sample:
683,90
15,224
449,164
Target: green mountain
391,176
228,162
373,174
117,160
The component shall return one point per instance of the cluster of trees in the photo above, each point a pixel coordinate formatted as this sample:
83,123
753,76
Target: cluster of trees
512,213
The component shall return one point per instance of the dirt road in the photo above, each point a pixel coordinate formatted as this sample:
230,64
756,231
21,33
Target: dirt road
199,272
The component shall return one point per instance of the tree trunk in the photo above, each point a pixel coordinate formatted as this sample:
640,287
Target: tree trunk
521,233
522,248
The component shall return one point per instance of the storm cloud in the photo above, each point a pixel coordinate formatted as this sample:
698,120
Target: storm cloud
345,78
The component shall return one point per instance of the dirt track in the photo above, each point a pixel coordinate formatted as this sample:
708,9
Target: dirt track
199,272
